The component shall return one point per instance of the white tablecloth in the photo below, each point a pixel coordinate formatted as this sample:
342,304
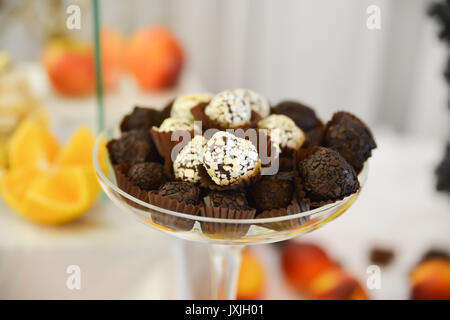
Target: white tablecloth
120,258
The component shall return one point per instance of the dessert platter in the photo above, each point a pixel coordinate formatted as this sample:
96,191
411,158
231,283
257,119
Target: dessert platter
230,170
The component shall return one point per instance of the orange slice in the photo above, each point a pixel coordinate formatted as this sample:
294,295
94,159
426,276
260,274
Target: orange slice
47,183
78,150
14,185
32,146
57,197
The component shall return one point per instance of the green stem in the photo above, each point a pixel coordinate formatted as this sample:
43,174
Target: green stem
98,68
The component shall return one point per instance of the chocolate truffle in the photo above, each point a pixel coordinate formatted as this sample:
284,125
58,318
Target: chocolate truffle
147,175
182,105
326,176
283,131
185,166
314,137
141,118
181,191
174,124
272,192
381,256
165,112
233,200
132,147
258,102
229,109
304,117
349,136
229,159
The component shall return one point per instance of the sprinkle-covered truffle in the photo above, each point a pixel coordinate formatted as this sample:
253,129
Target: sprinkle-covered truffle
258,102
233,200
283,131
181,191
229,109
272,192
147,175
174,124
229,159
182,105
185,166
304,117
326,176
349,136
132,147
141,118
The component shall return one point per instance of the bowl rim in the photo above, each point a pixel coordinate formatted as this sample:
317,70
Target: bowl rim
362,177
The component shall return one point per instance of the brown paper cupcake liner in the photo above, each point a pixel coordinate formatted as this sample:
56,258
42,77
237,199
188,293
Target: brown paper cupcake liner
163,141
207,182
199,114
301,193
294,208
129,187
219,230
170,221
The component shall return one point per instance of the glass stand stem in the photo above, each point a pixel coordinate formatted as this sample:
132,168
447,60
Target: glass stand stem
225,266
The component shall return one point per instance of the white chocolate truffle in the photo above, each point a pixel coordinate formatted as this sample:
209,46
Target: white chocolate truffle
258,102
283,131
174,124
188,159
229,159
229,109
182,105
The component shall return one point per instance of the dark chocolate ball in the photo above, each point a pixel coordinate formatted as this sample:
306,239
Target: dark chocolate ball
314,137
141,118
181,191
349,136
147,175
326,176
304,117
272,192
229,199
135,146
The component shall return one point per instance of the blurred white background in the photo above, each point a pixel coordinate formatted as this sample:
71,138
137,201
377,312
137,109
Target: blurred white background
319,52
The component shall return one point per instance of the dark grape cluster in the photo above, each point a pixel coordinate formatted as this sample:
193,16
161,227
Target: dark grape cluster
441,11
443,172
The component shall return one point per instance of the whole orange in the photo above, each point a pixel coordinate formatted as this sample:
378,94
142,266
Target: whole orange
70,66
155,58
303,262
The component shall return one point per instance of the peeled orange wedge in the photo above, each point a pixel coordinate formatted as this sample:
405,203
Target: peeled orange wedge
32,146
14,185
47,183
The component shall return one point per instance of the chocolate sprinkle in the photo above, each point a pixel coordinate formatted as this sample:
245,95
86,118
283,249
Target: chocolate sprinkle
141,118
351,138
272,192
147,175
233,200
304,117
135,146
181,191
325,176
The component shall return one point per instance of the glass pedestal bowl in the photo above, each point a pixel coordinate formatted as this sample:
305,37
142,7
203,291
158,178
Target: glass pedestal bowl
225,237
